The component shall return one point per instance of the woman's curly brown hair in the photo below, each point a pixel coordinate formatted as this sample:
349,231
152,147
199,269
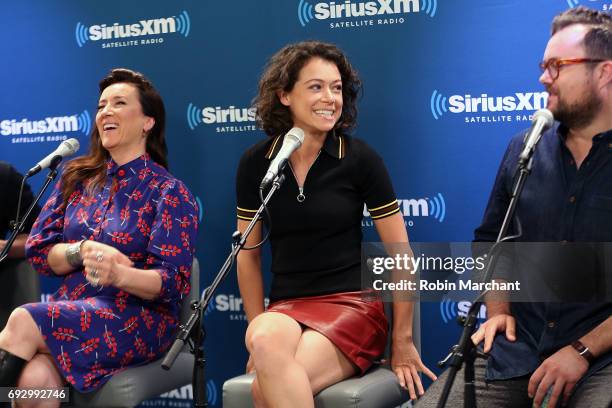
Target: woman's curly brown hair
281,73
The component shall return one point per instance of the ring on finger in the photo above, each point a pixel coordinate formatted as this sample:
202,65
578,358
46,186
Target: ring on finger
95,281
99,256
94,273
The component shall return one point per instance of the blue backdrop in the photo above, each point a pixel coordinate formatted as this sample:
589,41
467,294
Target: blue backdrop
447,83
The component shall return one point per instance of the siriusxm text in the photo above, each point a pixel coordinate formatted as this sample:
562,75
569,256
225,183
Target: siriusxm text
141,28
485,103
324,11
31,127
231,114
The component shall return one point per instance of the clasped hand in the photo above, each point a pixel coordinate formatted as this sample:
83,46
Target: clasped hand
104,265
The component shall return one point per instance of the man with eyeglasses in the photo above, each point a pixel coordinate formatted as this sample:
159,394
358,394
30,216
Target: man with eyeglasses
560,352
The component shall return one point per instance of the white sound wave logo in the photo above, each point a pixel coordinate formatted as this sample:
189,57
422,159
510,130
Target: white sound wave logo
80,122
306,12
180,24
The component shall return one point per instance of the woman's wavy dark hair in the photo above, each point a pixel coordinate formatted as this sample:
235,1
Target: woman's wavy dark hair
92,166
281,73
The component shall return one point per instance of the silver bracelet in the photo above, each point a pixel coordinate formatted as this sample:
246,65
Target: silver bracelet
73,254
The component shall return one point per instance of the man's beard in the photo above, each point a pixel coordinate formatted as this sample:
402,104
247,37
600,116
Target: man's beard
581,112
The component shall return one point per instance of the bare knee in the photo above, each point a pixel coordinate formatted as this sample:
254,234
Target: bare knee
257,396
21,335
262,340
40,373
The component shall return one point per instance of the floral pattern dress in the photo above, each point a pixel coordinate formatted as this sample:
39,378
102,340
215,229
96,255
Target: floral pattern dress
148,215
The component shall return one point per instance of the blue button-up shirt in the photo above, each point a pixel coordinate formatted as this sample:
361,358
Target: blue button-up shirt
560,202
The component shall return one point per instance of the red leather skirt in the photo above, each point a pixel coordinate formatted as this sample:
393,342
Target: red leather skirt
356,324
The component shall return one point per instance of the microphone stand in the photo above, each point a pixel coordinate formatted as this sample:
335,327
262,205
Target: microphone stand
465,351
17,225
194,331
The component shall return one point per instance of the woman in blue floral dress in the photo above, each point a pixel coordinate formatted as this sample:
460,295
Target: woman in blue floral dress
120,230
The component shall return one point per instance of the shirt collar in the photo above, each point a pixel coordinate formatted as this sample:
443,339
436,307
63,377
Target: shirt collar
122,171
563,130
334,145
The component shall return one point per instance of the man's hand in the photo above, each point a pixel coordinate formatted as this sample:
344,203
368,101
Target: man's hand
498,323
561,371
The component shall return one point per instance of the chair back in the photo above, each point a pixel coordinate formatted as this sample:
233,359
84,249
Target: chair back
19,284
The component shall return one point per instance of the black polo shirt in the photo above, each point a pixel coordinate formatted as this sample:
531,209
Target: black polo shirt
316,244
10,182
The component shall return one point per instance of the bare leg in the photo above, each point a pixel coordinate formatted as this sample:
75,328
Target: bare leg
272,339
41,373
21,336
324,363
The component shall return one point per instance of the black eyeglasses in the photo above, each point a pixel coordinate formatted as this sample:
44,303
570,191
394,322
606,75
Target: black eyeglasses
554,65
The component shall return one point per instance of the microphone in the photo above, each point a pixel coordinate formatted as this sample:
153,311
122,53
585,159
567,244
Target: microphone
542,120
293,140
67,148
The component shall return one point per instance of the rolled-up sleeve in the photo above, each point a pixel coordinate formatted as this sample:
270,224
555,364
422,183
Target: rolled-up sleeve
172,241
47,230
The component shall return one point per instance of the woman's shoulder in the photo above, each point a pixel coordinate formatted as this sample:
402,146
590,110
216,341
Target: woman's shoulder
168,182
358,148
258,152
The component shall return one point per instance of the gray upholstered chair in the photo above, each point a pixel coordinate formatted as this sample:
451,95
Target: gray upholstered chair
134,385
377,388
19,284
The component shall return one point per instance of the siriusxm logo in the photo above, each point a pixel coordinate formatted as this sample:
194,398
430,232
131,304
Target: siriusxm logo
74,123
228,303
348,9
176,24
218,115
186,393
520,101
200,208
450,310
574,3
434,207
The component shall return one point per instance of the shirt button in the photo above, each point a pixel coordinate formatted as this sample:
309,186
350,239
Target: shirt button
572,199
551,325
121,173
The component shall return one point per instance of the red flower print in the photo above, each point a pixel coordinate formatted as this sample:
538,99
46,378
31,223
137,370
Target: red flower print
64,334
146,318
130,325
141,347
64,360
120,300
161,329
106,313
90,345
127,358
124,215
121,237
143,227
111,343
85,319
171,200
167,221
169,250
53,311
